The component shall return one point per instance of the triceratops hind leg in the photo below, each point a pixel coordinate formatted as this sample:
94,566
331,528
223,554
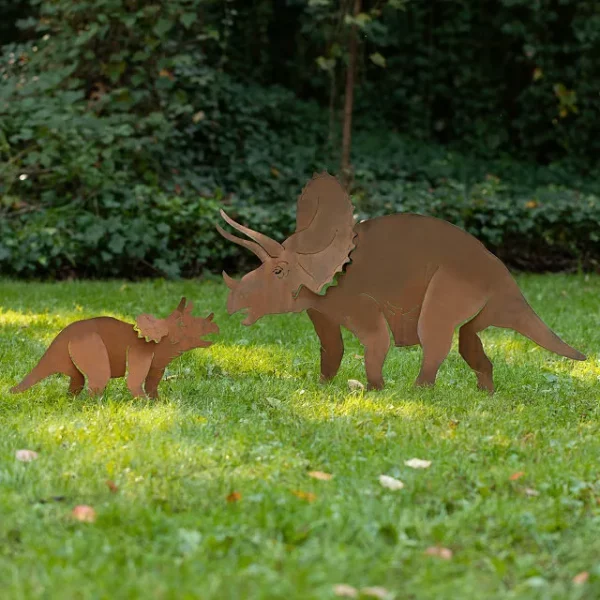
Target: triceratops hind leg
471,349
91,358
448,302
77,382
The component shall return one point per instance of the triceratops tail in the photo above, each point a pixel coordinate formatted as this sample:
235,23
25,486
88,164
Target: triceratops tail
42,370
531,326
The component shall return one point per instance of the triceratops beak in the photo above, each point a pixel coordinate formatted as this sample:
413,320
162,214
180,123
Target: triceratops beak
229,282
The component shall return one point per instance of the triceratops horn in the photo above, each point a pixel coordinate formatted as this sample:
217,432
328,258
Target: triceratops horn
181,305
272,247
210,317
252,246
229,282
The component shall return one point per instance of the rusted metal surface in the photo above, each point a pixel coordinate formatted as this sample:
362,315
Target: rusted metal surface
417,276
103,348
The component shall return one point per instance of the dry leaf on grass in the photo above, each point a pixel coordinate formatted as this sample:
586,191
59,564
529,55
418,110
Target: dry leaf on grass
320,475
390,483
112,486
516,475
443,553
26,455
354,385
345,591
308,496
581,578
234,497
375,592
83,513
417,463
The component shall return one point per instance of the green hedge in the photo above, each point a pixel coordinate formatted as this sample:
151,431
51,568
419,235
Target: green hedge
124,126
543,227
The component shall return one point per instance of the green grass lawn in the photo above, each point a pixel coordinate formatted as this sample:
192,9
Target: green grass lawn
249,416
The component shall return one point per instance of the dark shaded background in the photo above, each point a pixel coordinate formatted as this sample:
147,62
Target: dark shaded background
125,125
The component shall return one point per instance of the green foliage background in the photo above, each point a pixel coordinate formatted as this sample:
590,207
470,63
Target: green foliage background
125,125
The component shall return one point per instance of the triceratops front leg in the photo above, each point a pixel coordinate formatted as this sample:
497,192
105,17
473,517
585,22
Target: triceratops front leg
332,345
152,381
370,326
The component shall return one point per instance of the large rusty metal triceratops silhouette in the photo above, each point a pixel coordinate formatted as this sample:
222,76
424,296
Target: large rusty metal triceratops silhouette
421,276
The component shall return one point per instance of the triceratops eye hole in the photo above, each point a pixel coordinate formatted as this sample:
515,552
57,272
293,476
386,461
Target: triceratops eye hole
279,272
281,269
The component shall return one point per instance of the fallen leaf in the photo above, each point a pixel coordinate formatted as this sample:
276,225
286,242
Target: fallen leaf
528,437
83,513
320,475
112,486
531,492
375,592
443,553
417,463
234,497
308,496
581,578
355,385
389,482
453,424
344,590
517,475
26,455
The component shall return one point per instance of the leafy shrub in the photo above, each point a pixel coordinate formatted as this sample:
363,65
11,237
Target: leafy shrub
113,146
125,126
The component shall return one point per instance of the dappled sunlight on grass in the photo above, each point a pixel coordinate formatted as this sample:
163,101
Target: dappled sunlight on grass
263,359
588,370
145,446
104,422
318,407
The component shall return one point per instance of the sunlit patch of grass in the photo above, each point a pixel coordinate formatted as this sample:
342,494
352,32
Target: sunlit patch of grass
268,359
588,370
249,416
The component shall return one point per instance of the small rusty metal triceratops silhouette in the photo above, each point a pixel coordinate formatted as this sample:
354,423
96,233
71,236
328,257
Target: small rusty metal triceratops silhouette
421,276
103,348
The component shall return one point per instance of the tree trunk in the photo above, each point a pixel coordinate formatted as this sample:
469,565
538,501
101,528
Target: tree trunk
332,111
346,167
